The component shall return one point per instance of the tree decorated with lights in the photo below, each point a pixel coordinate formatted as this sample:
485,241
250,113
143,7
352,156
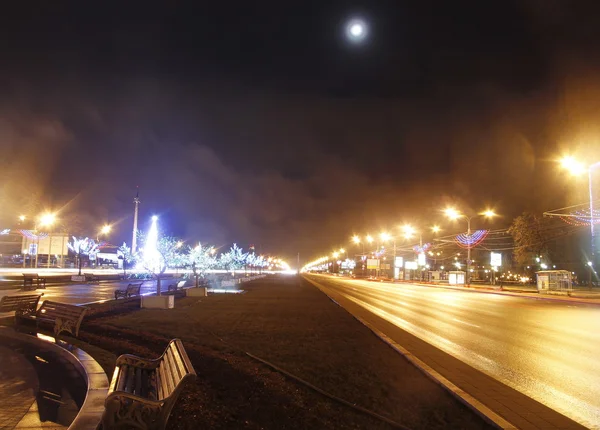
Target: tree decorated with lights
82,248
200,259
233,260
158,253
124,253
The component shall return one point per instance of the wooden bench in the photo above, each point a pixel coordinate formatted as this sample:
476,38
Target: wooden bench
24,305
142,392
32,281
91,278
131,290
62,316
177,287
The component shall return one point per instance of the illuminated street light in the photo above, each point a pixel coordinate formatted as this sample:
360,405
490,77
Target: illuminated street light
47,220
22,218
408,230
356,239
335,254
573,166
385,236
454,214
577,168
369,238
436,229
106,228
179,244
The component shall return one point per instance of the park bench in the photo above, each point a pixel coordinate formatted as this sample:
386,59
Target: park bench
23,305
62,316
131,290
177,287
91,278
142,392
32,281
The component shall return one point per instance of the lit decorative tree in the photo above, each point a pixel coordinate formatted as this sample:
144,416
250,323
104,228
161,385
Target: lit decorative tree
163,253
234,259
82,248
124,253
200,259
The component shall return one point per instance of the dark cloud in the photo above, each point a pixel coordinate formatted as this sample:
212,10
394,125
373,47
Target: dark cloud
296,142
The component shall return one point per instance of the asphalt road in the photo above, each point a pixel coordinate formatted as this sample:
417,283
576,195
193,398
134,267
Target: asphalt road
548,350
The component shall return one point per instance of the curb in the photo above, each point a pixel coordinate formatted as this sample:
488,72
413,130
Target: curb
471,402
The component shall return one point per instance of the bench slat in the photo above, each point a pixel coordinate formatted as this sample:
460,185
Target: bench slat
174,370
165,379
122,376
176,362
129,387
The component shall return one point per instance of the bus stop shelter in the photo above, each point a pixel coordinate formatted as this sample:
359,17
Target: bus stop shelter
554,280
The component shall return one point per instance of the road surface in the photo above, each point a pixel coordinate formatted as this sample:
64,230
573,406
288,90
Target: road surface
548,350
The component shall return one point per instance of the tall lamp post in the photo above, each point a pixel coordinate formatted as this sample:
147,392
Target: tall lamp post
577,168
454,214
47,220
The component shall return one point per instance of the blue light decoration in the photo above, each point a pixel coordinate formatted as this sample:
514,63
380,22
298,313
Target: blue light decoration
5,232
582,217
29,234
471,240
422,249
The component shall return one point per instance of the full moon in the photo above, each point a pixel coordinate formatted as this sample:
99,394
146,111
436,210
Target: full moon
356,30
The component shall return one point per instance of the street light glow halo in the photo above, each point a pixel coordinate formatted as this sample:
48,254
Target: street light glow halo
357,30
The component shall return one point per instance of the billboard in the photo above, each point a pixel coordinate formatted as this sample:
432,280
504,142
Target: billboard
411,265
495,259
372,263
421,259
57,244
399,263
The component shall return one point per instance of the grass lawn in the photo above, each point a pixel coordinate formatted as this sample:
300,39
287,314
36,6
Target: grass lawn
291,324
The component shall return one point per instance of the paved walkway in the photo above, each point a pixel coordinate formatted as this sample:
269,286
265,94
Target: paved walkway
518,409
18,387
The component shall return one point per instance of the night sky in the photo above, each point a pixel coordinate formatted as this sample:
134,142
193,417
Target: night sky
262,124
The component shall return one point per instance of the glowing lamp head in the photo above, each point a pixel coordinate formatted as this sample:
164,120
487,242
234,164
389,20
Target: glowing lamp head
488,213
435,229
335,254
408,231
106,229
452,213
342,250
48,219
154,218
369,238
385,237
22,218
573,166
356,239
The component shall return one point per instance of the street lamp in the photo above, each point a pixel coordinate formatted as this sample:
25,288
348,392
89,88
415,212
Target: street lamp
454,214
577,168
46,220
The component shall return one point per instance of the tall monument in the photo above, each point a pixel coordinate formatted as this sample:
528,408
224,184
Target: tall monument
136,202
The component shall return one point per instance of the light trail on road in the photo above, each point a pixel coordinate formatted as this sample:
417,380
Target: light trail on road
545,349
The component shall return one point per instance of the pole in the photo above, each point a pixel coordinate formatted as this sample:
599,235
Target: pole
136,201
49,248
592,232
37,246
469,252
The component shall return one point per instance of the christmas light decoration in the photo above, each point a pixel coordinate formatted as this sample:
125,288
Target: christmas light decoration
29,234
471,240
582,217
421,249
